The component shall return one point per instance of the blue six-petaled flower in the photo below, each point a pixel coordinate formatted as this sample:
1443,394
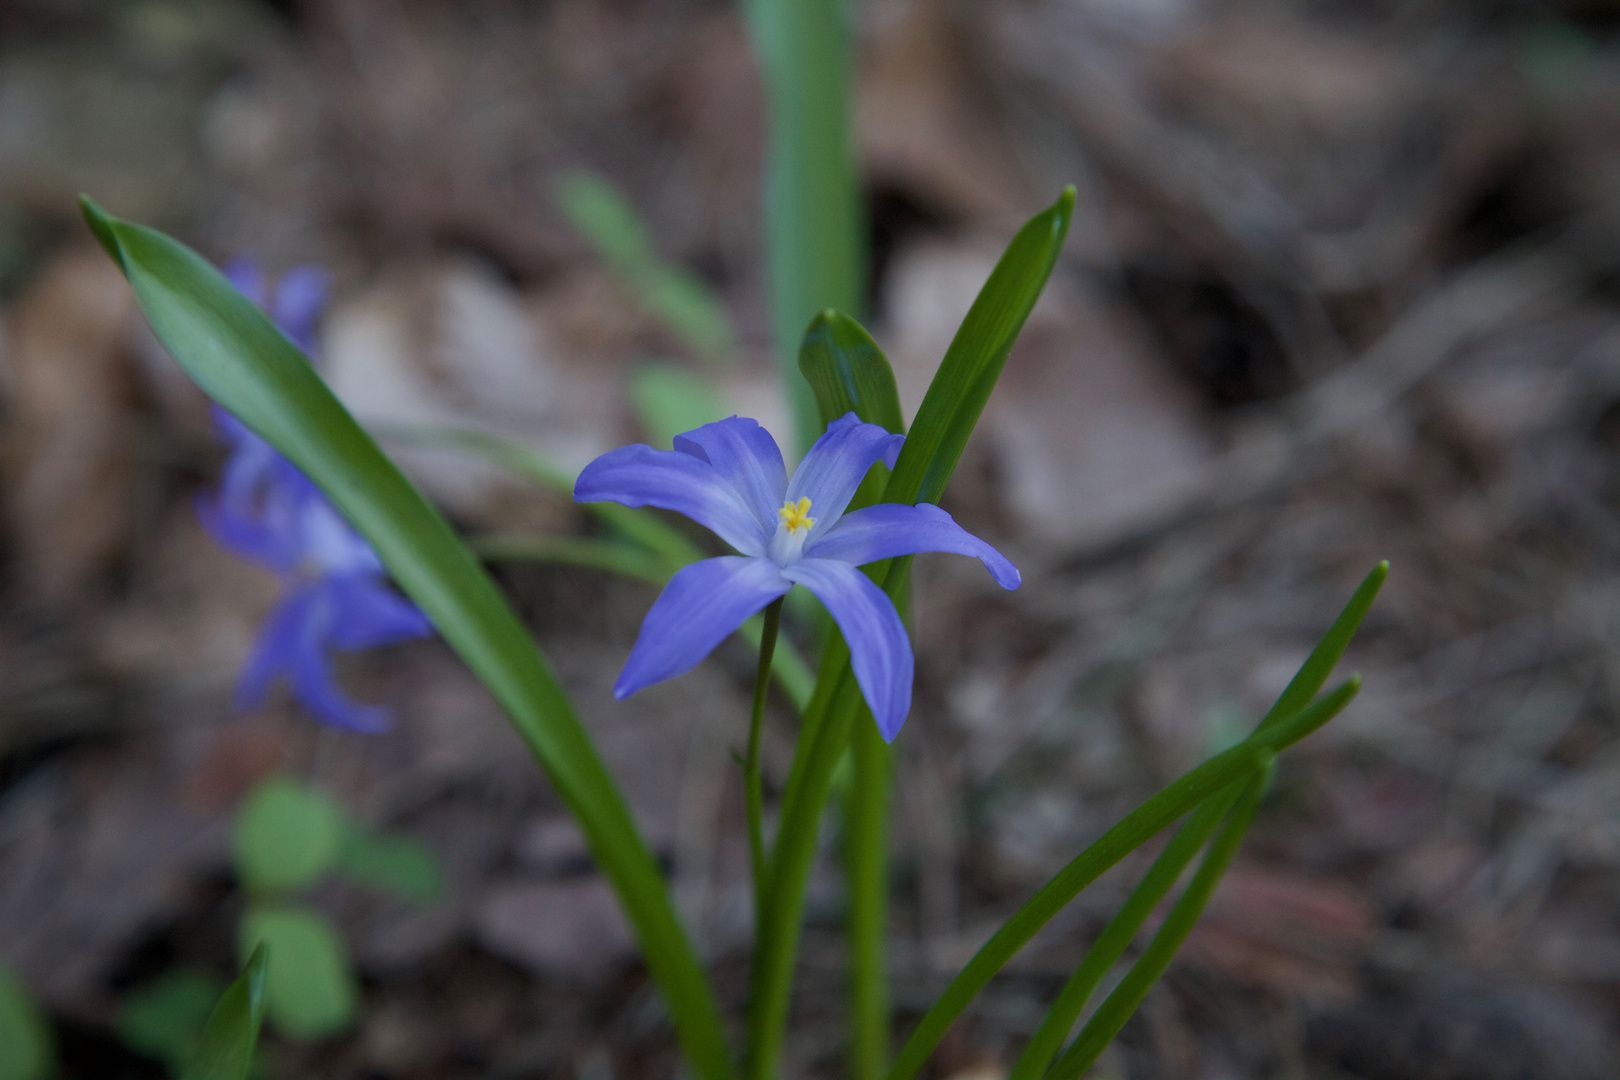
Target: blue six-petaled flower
268,511
729,477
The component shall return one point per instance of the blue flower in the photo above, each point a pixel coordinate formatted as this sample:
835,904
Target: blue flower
729,477
267,511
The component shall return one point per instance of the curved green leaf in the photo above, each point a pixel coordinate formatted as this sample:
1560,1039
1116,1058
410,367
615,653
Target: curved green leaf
848,372
242,361
1134,830
26,1047
232,1033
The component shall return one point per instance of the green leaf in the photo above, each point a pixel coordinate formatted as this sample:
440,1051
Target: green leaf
973,363
27,1051
286,836
400,865
611,555
1127,996
232,1032
847,372
676,296
310,992
165,1018
242,361
815,238
1134,830
1313,674
670,401
949,410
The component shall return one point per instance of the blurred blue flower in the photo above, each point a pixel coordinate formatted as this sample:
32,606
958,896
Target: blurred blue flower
729,477
266,510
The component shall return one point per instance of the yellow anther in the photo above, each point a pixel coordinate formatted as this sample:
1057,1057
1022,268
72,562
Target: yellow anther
796,517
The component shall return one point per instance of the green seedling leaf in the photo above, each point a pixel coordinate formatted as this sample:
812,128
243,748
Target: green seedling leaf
287,836
848,372
164,1018
399,865
815,239
232,1032
669,401
310,992
1127,996
243,362
611,555
677,297
27,1051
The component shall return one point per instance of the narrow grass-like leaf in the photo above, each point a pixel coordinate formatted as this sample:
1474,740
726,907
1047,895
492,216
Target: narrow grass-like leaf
814,237
1161,877
973,363
232,1033
950,409
1127,996
1134,830
242,361
676,296
1120,932
610,555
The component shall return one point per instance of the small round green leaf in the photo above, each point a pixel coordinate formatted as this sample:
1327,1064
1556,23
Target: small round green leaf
401,865
164,1018
287,836
310,990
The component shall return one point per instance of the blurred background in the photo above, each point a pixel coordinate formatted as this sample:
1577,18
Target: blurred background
1343,284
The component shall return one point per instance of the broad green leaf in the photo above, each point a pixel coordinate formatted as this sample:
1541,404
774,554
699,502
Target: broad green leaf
27,1051
392,863
1127,996
676,296
165,1018
232,1032
242,361
1134,830
310,992
847,372
977,353
815,238
670,401
286,837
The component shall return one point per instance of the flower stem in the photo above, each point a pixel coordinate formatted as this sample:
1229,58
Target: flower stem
753,787
866,842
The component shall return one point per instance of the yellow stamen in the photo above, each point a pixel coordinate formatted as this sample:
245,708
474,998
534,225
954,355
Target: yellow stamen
796,517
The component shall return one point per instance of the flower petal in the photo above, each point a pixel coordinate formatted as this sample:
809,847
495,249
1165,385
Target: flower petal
300,295
670,480
293,643
370,614
747,458
879,650
885,530
701,605
835,466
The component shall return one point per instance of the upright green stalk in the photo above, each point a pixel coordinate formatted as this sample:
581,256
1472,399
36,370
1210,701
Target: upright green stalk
866,844
813,227
753,787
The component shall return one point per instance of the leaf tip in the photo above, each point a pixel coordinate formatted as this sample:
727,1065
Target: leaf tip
101,224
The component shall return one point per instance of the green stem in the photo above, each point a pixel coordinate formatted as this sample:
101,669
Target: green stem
866,844
753,786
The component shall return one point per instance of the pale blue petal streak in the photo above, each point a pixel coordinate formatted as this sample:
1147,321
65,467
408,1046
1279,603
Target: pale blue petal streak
747,458
886,530
641,476
370,614
835,466
702,604
879,650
